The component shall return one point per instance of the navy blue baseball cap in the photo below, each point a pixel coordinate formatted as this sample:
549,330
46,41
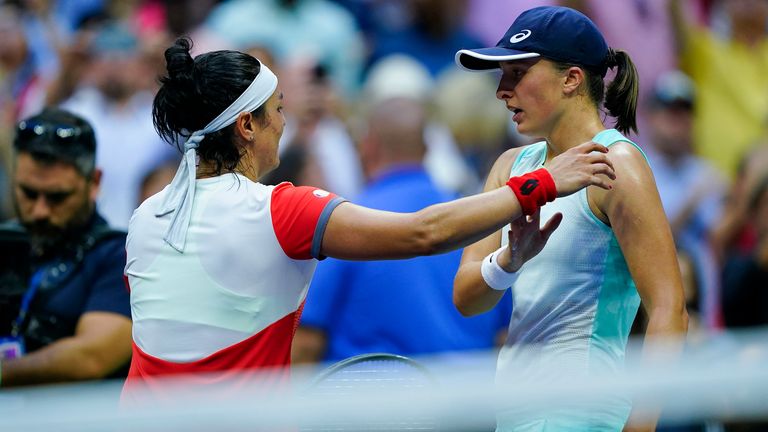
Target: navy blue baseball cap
557,33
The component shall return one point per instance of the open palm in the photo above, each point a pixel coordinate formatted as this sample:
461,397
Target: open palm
526,239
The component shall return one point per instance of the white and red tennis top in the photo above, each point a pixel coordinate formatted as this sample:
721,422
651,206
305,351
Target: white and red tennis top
230,303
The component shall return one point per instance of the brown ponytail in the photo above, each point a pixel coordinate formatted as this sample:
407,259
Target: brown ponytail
621,95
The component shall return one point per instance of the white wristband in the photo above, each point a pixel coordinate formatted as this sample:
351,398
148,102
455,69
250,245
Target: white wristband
495,276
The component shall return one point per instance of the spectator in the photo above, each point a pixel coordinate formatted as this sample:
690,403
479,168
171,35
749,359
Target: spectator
735,231
739,237
107,92
729,72
22,91
691,189
404,306
294,29
399,75
433,34
316,146
490,18
74,320
745,278
653,53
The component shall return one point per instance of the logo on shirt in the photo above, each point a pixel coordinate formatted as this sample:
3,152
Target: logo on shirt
320,193
520,36
529,186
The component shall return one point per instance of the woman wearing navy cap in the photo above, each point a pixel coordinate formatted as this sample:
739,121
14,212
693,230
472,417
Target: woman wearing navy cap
578,279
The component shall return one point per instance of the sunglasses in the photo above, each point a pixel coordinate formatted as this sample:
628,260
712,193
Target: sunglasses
62,133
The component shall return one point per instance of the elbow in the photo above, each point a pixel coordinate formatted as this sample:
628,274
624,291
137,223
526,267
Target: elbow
465,309
93,369
684,319
673,318
464,304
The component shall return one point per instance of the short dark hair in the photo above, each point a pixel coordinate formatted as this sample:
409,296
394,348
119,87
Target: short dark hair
56,135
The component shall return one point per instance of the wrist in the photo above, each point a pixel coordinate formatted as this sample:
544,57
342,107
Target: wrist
533,190
508,262
494,275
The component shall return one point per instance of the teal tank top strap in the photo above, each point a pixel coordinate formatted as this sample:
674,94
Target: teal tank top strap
530,158
609,137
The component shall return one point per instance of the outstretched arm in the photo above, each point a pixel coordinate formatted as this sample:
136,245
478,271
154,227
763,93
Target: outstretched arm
471,294
355,232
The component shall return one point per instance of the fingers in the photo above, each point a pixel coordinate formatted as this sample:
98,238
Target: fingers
600,182
535,218
599,158
589,147
604,169
551,226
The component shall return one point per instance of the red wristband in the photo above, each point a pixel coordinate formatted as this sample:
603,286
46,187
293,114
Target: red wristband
533,190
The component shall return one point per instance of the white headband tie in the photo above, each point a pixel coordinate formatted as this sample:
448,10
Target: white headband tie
181,192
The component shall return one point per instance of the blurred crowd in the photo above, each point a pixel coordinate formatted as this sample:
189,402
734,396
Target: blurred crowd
703,113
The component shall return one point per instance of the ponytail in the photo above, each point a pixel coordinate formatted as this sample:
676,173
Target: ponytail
621,95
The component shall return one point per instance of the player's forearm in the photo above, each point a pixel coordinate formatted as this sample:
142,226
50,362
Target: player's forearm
456,224
471,295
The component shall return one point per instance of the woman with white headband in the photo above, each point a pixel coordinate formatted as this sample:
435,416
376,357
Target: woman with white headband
219,264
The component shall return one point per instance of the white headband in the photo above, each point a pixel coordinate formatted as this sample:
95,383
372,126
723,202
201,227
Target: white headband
181,192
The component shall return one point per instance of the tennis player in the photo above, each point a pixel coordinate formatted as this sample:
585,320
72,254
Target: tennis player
579,267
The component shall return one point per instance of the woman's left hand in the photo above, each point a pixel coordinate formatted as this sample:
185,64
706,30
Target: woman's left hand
526,240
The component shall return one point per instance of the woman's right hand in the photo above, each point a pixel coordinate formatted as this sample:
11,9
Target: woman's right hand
584,165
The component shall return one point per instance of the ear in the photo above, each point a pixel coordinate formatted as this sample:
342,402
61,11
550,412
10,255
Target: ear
246,126
95,183
573,78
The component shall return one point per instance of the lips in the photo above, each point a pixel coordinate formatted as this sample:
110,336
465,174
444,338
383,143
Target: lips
517,115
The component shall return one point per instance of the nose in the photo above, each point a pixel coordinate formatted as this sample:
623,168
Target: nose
502,94
41,210
505,90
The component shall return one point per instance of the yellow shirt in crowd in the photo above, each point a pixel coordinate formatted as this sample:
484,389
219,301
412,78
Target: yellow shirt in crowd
731,112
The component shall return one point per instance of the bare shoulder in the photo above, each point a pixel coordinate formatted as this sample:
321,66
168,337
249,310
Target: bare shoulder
626,152
499,173
634,181
630,163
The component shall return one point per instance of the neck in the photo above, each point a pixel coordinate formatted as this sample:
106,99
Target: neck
246,167
574,127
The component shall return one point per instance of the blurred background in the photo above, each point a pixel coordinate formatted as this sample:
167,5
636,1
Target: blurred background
703,112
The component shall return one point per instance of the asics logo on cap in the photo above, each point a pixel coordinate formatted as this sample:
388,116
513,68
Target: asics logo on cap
520,36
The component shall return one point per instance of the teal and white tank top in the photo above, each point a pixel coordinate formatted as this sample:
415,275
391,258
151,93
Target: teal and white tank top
574,302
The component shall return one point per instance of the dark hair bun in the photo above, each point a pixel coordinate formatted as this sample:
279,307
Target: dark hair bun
180,63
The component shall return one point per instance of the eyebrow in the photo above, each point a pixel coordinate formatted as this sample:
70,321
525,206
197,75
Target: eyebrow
28,188
281,96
